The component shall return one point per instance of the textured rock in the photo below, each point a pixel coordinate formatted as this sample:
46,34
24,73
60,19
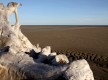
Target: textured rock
15,64
20,66
60,59
79,70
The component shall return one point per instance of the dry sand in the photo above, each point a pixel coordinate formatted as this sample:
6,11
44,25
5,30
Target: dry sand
77,42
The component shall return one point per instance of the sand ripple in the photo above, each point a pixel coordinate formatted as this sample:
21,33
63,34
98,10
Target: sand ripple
98,63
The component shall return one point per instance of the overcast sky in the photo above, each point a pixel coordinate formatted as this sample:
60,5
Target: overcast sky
62,12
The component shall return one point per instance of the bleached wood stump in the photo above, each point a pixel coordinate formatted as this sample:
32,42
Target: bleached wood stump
16,65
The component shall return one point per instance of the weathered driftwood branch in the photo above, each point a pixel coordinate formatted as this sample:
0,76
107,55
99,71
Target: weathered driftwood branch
15,64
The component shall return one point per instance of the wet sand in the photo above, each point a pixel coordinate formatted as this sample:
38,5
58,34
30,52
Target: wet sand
77,42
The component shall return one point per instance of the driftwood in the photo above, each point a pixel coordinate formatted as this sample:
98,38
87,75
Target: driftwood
20,60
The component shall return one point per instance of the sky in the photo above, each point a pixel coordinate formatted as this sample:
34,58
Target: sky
61,12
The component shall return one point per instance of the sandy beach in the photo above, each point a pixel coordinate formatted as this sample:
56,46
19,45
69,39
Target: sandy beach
77,42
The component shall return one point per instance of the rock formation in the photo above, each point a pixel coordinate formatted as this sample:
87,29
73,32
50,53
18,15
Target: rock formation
79,70
20,60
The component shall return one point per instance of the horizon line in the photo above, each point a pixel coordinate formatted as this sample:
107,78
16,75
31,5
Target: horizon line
64,25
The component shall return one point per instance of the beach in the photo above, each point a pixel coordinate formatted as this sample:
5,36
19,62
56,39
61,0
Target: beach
77,42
